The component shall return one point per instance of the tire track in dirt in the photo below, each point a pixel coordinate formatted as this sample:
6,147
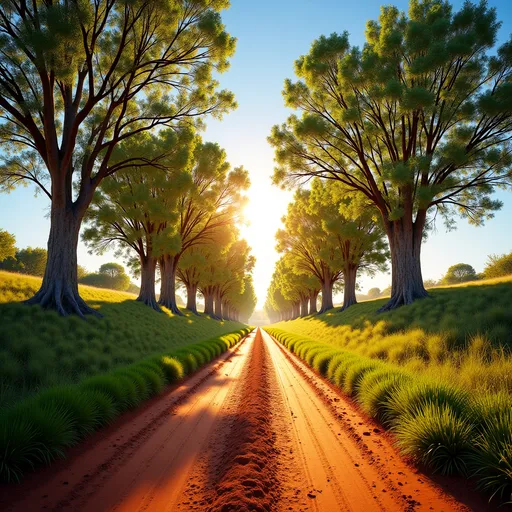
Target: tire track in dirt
239,471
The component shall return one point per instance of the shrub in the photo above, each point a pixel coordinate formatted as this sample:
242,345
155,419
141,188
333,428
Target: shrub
437,437
491,461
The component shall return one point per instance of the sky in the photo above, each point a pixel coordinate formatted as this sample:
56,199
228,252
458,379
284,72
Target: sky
271,36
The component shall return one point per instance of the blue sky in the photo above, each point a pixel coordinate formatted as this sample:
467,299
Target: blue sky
271,35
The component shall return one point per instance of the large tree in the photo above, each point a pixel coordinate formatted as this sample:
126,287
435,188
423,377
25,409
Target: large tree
136,209
79,77
214,200
419,121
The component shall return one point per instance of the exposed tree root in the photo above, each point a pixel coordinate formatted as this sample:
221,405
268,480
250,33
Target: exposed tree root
171,305
402,299
62,299
150,302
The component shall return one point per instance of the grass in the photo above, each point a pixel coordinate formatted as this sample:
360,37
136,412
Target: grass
40,428
40,349
435,423
462,335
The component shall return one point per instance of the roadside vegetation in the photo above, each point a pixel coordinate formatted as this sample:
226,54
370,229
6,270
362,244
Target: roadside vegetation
39,429
39,348
438,373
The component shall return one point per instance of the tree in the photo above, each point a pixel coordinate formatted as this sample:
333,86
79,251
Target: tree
459,273
7,245
430,283
356,228
79,77
419,121
136,210
215,199
81,272
110,275
373,293
498,266
314,253
31,261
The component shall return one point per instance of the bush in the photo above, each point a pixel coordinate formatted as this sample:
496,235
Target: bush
498,266
437,437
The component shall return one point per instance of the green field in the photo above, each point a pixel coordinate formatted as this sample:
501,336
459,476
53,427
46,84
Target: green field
40,348
438,373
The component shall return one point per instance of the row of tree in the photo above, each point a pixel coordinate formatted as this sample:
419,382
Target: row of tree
179,218
102,93
418,121
328,238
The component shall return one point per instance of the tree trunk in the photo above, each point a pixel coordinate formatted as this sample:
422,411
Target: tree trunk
304,307
168,265
59,289
191,298
349,291
326,295
208,303
218,305
405,239
313,300
147,283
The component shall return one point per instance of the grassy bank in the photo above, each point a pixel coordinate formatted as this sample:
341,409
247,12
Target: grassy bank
39,349
437,373
39,429
437,424
461,335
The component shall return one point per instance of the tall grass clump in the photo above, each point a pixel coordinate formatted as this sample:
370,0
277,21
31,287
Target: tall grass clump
40,428
434,422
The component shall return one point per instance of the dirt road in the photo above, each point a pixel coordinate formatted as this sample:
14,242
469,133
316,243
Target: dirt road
256,430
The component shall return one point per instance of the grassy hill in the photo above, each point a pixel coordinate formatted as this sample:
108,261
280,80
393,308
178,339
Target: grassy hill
39,348
467,327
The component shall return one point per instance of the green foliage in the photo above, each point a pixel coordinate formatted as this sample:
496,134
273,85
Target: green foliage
373,293
110,275
459,273
31,261
498,266
7,245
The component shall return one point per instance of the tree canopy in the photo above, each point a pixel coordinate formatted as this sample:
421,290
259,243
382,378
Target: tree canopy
7,245
459,273
419,121
78,78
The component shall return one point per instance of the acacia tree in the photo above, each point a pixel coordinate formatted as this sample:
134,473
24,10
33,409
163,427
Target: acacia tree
357,229
419,121
215,199
79,77
136,209
314,253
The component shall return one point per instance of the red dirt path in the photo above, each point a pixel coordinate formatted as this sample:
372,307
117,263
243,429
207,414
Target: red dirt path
256,430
